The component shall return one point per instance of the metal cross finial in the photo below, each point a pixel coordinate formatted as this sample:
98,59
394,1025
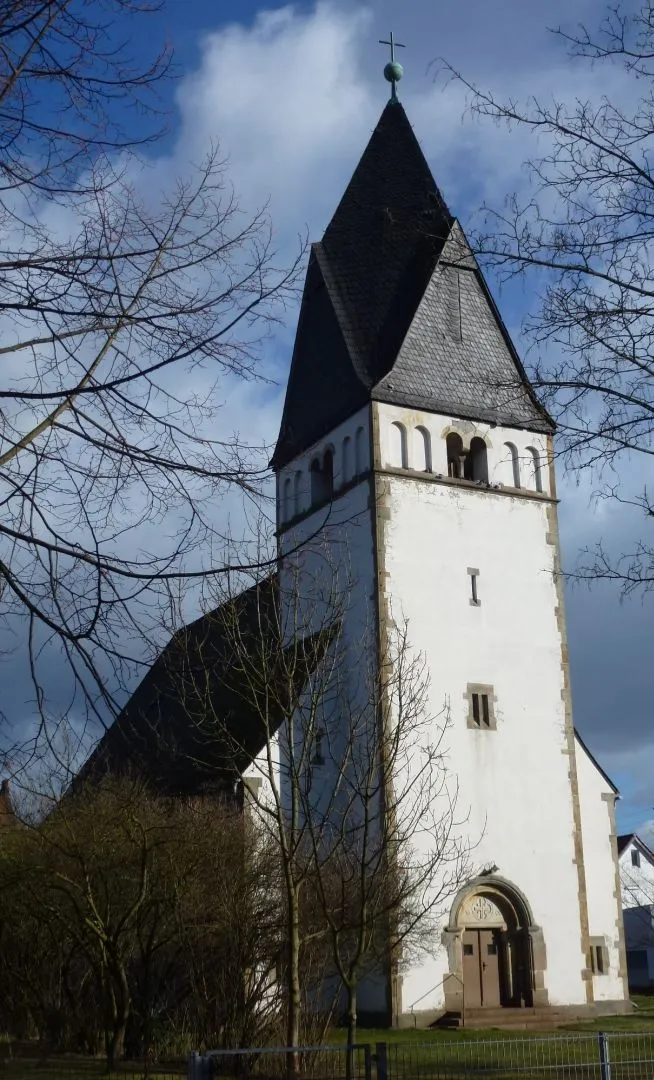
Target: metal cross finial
393,44
393,71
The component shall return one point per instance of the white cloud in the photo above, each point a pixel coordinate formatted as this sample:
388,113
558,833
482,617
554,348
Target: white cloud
285,100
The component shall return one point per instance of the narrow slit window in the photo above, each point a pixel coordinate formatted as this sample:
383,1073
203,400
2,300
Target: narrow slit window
600,960
481,710
635,858
485,711
474,587
318,757
475,709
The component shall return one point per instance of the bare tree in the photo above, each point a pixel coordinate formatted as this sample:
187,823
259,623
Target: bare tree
584,234
128,304
388,851
348,778
280,677
125,914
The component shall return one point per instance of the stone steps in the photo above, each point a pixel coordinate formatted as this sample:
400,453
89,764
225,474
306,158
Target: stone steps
527,1019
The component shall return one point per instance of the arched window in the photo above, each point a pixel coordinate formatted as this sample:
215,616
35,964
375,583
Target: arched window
423,449
477,462
297,493
512,457
287,500
455,454
399,451
346,470
322,478
537,481
360,455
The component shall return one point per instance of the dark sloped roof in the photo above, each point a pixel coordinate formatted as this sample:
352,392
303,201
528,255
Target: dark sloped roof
370,288
196,720
595,762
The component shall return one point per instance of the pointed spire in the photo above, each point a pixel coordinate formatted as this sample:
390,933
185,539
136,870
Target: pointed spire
395,307
391,221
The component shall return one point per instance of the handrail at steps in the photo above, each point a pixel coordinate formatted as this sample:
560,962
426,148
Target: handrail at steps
450,975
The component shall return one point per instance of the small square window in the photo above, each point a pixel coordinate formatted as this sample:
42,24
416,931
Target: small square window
599,957
480,710
468,950
480,706
635,857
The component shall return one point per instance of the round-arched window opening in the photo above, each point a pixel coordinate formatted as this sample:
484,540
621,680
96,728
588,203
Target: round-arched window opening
477,461
322,478
455,455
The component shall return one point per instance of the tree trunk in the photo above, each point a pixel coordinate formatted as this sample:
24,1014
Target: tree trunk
351,1028
115,1044
294,997
119,1005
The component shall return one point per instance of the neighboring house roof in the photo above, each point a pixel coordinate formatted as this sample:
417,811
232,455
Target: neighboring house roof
632,838
197,719
369,279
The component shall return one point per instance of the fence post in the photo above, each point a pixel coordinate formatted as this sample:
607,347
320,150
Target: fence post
367,1061
605,1060
381,1053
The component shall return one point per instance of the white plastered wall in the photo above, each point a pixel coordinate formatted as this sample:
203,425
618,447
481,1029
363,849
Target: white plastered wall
513,782
515,793
327,554
604,913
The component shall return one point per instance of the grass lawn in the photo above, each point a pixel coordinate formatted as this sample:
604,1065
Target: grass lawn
570,1052
640,1020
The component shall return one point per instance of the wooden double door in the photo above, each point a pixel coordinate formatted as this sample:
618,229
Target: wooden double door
483,969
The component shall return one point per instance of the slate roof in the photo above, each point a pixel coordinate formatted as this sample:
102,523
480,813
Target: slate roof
596,763
372,322
195,722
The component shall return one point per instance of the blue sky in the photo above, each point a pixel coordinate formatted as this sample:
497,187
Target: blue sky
291,94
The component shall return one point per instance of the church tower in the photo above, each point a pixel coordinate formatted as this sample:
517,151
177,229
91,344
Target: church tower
413,444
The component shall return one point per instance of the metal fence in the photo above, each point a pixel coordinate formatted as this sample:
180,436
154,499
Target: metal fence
72,1068
321,1062
618,1056
559,1057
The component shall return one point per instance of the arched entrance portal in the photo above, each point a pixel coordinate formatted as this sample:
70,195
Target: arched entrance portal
494,949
